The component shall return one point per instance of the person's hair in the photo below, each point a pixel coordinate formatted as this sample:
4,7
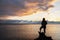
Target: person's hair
43,19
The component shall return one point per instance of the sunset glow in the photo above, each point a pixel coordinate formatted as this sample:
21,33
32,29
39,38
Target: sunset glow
32,11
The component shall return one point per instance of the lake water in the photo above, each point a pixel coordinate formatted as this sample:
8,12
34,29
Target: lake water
28,31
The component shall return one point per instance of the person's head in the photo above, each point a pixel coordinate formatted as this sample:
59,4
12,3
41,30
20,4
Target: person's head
43,19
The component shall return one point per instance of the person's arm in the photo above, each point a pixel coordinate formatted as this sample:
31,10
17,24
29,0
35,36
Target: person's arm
41,23
46,22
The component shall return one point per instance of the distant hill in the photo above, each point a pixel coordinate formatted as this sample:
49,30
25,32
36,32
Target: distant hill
25,22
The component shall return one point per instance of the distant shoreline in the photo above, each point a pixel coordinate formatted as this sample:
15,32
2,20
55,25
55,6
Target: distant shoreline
18,22
22,23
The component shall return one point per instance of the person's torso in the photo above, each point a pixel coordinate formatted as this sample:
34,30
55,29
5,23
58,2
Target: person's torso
44,23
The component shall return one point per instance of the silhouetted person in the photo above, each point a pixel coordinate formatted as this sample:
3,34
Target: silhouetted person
43,23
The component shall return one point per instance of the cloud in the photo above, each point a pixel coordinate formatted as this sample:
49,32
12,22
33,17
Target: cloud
23,7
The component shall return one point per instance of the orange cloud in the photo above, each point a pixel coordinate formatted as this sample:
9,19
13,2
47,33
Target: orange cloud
23,7
34,6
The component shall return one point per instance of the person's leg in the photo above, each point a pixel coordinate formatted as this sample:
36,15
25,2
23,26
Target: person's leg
44,29
40,28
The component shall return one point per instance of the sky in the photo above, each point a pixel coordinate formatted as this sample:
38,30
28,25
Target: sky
31,10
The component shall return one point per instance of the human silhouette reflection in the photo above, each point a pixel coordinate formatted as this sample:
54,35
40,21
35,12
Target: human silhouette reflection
43,23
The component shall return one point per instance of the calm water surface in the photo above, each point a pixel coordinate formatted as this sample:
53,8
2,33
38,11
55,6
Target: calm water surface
28,31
